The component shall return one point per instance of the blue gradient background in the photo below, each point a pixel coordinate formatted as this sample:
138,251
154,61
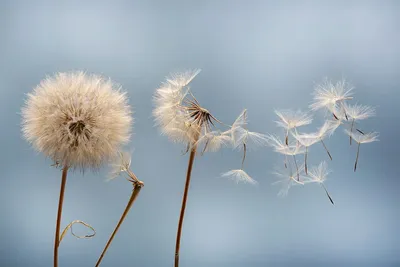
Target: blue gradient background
259,55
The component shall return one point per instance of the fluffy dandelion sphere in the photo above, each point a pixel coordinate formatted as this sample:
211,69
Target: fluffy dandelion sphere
77,119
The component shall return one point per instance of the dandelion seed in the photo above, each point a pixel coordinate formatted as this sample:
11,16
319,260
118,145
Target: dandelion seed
288,178
362,138
287,150
328,95
239,176
318,174
291,120
77,120
358,112
213,141
306,140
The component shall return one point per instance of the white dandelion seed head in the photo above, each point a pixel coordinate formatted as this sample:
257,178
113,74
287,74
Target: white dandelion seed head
363,138
306,140
290,119
288,177
359,112
214,141
251,139
178,113
239,175
77,119
318,174
328,94
120,163
182,79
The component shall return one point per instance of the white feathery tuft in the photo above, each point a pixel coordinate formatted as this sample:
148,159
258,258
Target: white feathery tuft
77,119
239,175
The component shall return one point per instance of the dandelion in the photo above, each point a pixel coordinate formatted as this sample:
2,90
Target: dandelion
331,96
358,112
318,174
239,175
181,117
287,178
287,150
77,120
242,138
121,165
213,141
362,138
291,120
308,140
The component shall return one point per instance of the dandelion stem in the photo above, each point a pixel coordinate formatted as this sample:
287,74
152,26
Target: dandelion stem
326,149
358,152
135,192
351,129
59,213
184,199
244,154
297,167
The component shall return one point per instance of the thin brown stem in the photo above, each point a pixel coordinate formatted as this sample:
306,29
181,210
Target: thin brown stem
59,213
135,193
351,130
358,152
287,138
184,200
329,196
326,149
297,167
244,154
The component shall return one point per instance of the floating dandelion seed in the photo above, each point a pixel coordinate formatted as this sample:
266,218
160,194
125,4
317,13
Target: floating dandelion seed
243,139
308,140
239,175
77,120
329,96
121,165
288,178
181,117
213,141
362,138
318,174
292,149
358,112
290,119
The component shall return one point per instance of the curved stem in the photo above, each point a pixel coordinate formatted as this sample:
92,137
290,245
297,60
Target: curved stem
184,199
135,193
59,213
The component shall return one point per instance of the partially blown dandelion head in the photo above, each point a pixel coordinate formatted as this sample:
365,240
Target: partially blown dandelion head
178,113
77,119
